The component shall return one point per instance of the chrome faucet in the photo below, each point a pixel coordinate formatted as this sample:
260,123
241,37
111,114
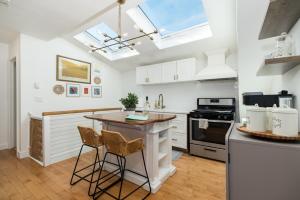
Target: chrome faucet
161,101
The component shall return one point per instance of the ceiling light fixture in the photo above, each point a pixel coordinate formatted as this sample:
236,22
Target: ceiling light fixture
122,43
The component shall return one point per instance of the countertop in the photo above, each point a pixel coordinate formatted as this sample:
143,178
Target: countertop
165,110
120,117
237,136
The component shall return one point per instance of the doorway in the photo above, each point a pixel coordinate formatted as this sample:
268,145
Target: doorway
13,104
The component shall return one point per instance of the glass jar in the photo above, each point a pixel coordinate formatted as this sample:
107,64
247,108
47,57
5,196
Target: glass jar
280,45
284,46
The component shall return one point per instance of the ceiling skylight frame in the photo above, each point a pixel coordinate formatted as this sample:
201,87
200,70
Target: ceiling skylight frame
90,40
191,34
172,33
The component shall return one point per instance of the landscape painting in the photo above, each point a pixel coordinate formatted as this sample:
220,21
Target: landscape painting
72,70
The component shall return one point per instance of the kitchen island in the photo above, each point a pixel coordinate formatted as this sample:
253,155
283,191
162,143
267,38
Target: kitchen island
157,141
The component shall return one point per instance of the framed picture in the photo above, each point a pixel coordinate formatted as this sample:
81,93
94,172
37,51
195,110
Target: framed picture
72,70
85,91
96,91
73,90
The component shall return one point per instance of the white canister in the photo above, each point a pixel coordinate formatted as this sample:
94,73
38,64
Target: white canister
256,118
285,121
269,119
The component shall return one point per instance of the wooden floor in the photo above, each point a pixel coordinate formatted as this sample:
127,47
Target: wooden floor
195,178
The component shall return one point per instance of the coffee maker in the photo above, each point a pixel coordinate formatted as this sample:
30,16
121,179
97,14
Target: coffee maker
281,99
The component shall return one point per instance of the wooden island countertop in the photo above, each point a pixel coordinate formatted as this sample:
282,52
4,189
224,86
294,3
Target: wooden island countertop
120,117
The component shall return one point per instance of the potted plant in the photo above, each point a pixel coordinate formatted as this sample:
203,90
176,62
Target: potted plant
130,101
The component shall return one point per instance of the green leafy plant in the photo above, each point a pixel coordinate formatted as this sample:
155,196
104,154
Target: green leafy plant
130,101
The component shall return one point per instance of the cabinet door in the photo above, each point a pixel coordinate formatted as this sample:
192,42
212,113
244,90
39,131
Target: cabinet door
142,75
186,69
169,71
155,73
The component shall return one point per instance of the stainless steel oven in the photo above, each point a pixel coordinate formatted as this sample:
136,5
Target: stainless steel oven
214,134
209,141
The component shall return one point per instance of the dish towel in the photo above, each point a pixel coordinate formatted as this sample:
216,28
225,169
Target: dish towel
138,117
203,123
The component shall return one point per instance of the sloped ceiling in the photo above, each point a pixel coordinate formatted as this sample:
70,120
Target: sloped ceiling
64,18
47,19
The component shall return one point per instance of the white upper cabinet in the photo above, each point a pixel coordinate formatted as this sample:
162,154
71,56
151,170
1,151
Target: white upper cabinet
168,72
154,73
186,69
141,75
149,74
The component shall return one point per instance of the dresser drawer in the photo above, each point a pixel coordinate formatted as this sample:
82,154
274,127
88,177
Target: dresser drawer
179,140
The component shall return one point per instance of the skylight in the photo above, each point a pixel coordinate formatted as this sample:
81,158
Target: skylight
94,36
172,16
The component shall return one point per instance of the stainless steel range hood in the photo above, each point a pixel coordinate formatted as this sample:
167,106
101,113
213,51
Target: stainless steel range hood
216,67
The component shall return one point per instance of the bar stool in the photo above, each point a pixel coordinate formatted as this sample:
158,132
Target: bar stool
118,146
90,138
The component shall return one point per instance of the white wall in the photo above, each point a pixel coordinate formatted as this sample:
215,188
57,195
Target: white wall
4,63
181,96
251,51
38,65
291,80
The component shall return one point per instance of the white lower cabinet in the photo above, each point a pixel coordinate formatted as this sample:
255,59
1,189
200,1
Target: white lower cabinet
179,130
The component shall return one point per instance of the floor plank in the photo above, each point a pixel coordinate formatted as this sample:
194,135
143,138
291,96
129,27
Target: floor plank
195,178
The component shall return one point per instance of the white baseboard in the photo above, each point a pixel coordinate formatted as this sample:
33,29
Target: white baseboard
37,161
3,146
23,154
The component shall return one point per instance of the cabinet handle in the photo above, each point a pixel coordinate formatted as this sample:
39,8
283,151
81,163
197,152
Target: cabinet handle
174,77
174,139
177,76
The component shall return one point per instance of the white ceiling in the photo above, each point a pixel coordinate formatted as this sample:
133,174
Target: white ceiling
7,36
55,18
46,19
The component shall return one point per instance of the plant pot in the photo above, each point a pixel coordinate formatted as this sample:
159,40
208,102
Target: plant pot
129,109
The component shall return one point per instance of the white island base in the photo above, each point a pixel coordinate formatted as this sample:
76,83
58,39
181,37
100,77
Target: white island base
157,151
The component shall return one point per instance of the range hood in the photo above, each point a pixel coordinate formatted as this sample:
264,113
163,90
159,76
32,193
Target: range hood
216,67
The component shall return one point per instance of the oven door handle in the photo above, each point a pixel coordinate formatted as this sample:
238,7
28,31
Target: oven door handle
209,149
220,121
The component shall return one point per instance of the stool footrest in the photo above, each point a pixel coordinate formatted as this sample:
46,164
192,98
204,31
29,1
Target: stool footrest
122,169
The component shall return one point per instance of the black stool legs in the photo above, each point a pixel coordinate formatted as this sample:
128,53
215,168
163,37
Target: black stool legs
97,160
122,167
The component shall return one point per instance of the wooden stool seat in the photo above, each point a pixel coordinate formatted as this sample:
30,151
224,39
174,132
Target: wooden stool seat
117,144
90,137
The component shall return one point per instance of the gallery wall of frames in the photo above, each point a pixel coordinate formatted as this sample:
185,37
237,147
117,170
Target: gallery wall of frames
74,78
